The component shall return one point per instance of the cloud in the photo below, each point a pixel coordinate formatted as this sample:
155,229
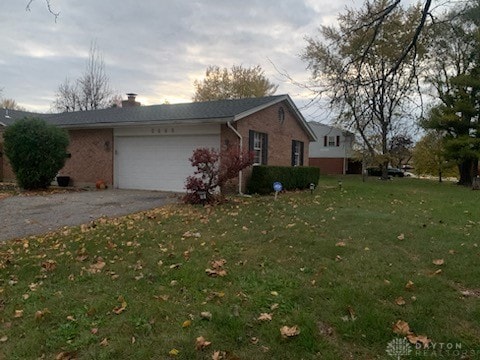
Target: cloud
154,48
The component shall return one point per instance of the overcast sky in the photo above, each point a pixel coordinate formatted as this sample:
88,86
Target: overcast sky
155,48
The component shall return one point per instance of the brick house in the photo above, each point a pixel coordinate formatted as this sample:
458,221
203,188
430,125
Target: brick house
332,152
147,147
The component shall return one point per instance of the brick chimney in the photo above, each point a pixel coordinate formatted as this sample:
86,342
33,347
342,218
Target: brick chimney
130,101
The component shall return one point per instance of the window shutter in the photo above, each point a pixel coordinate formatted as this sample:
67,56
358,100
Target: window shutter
265,149
338,140
301,153
325,140
250,139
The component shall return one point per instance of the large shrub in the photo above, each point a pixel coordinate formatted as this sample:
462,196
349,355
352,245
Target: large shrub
291,177
36,151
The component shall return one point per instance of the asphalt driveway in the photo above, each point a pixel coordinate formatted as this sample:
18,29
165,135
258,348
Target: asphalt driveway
22,216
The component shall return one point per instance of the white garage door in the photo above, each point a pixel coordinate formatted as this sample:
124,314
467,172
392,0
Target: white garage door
157,162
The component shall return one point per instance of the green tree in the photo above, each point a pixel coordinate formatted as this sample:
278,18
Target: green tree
236,83
36,151
356,66
429,156
455,75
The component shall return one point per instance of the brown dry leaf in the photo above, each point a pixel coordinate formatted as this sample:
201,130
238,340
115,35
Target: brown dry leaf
400,301
218,264
265,317
218,355
289,331
409,285
438,272
4,339
438,262
119,309
97,266
104,342
64,355
401,236
341,244
201,343
49,265
94,331
214,273
274,306
401,328
186,255
40,314
419,339
206,315
18,314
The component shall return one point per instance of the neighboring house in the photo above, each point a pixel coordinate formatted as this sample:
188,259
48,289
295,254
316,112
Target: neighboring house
148,147
332,152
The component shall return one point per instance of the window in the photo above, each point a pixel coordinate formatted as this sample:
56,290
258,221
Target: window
297,153
258,143
331,141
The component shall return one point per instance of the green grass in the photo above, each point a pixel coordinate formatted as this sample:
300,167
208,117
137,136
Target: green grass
283,252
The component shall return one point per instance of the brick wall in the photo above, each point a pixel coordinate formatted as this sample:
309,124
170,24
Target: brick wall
328,166
91,157
280,136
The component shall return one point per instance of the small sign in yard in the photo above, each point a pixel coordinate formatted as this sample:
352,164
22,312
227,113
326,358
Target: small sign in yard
277,187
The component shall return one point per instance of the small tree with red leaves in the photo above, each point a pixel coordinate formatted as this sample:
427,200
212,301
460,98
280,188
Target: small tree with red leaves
213,170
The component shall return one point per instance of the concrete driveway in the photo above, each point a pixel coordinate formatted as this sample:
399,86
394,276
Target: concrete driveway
21,216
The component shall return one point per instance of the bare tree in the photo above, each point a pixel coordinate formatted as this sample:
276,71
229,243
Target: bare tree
10,104
90,91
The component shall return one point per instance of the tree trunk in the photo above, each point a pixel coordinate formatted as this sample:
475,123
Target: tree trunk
384,167
466,171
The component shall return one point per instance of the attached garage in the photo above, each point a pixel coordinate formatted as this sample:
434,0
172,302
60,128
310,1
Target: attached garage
157,158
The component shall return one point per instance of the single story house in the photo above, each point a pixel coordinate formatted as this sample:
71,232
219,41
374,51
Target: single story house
148,147
333,151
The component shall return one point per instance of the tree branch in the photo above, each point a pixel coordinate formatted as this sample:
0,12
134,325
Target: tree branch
49,7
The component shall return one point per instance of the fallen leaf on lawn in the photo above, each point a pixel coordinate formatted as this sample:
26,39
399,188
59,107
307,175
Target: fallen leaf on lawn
419,339
94,331
121,308
25,296
274,293
186,323
338,258
214,273
40,314
190,234
274,306
18,314
175,266
4,339
265,317
438,272
71,318
401,328
254,340
438,262
186,255
289,331
409,285
49,265
401,237
206,315
201,343
400,301
97,266
161,297
217,264
104,342
64,355
341,244
134,340
173,352
218,355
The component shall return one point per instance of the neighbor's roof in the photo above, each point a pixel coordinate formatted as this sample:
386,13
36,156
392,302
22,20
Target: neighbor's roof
219,111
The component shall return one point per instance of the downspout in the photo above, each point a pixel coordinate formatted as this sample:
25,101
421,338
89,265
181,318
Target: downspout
240,138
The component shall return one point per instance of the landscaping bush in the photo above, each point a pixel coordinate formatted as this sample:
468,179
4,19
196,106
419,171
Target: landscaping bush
36,151
292,178
213,170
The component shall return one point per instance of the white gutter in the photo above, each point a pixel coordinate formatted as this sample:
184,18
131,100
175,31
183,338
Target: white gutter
3,124
229,124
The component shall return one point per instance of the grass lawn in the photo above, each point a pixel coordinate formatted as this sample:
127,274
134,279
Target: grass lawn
336,270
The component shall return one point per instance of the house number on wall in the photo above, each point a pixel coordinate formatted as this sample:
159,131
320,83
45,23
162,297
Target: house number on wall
164,131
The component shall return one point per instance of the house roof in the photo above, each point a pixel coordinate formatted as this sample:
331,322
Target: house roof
323,129
220,111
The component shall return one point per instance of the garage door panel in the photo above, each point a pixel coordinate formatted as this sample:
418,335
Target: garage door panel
157,163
